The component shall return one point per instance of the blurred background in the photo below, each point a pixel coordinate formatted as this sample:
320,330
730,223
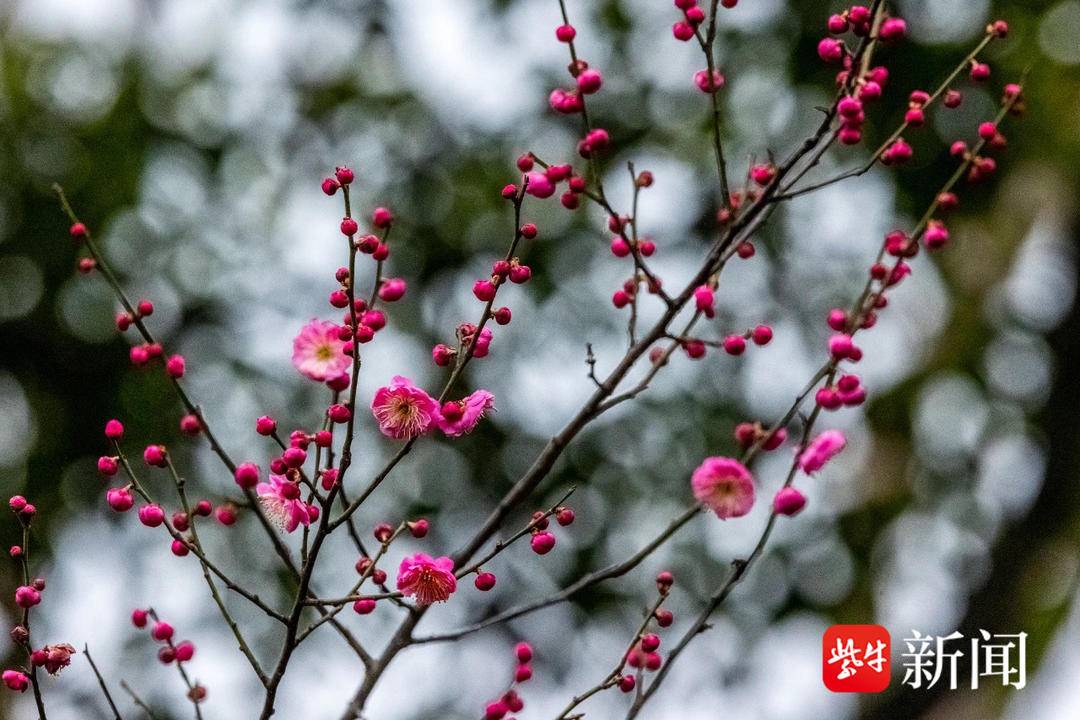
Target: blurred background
192,135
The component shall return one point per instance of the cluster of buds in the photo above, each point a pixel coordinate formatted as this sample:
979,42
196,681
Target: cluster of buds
644,651
53,658
85,265
630,288
856,19
748,434
501,270
543,183
163,632
510,701
342,176
848,391
467,335
24,510
543,541
685,29
143,309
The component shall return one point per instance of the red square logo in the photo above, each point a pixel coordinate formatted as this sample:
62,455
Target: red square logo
855,658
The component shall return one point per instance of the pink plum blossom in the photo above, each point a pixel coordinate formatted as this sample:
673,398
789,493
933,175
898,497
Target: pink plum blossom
460,416
725,486
280,499
820,450
428,579
403,410
318,351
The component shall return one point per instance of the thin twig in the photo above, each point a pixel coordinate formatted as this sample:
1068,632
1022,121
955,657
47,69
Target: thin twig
101,682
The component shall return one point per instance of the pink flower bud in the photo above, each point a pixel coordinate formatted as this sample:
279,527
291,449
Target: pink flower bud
330,185
114,430
708,82
682,31
763,174
704,299
154,455
108,465
734,344
185,651
226,514
161,631
540,186
15,680
339,413
840,346
762,335
344,174
175,366
520,274
246,475
392,289
138,617
364,606
619,247
788,501
151,515
27,597
119,499
484,581
382,217
484,290
830,51
542,543
589,81
266,425
294,457
442,354
892,29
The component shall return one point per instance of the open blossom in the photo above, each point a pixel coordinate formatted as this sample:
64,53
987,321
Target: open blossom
318,352
820,450
403,410
428,579
460,416
724,485
53,658
280,499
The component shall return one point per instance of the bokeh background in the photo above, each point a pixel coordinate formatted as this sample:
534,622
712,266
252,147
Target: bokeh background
192,136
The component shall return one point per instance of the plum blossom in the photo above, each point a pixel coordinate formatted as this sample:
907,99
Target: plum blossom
820,450
724,485
459,417
428,579
403,410
280,499
318,351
